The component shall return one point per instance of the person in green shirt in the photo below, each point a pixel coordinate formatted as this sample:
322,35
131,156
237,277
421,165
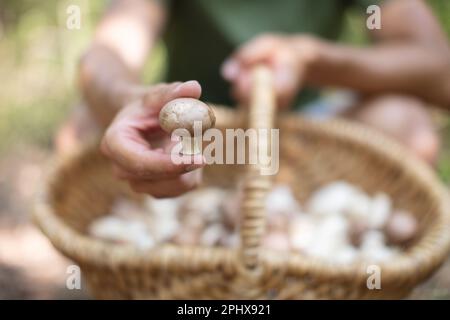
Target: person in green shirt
213,44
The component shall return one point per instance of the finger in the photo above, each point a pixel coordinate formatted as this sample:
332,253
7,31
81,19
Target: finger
170,187
255,51
230,69
162,94
286,77
123,174
136,157
242,87
285,85
284,71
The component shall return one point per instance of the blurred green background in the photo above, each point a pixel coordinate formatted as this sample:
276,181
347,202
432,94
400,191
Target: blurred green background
38,57
38,60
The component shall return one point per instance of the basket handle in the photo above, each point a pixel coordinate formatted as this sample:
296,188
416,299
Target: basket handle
261,115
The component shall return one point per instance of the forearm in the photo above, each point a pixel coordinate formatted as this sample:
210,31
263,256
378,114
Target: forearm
109,71
410,55
103,78
398,67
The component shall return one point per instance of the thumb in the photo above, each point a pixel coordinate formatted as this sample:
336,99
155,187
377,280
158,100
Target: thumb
162,94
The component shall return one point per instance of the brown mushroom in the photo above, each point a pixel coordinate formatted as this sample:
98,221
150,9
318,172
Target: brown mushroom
187,113
401,227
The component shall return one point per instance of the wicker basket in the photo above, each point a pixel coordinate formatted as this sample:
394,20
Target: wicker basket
81,188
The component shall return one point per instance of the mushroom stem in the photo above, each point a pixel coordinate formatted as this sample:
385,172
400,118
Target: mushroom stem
190,145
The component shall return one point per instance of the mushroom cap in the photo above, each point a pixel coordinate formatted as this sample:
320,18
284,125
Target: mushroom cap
401,227
183,113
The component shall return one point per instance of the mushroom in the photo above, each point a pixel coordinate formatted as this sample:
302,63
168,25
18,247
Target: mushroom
121,230
347,254
302,232
276,240
230,240
191,115
339,197
164,221
401,227
212,235
187,237
204,204
357,230
330,236
231,208
281,206
380,210
374,249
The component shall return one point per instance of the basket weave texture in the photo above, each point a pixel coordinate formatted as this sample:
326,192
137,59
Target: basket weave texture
81,188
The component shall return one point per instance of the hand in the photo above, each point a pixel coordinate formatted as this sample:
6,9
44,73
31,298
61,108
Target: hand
290,58
140,150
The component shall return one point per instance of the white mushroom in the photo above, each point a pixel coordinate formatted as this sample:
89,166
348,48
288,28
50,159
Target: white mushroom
302,232
331,235
126,208
213,234
281,206
374,248
186,236
401,227
358,207
187,113
357,229
230,239
163,215
337,198
205,203
120,230
281,200
345,255
276,241
380,210
231,209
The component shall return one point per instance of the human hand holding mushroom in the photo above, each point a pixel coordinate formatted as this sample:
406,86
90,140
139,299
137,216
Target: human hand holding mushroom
140,150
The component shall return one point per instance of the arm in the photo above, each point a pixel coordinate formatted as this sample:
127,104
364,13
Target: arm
410,55
109,77
109,70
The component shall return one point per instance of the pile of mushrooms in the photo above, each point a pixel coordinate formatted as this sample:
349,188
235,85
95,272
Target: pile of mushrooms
197,218
339,223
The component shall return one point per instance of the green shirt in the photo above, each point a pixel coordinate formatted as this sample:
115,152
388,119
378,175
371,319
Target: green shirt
202,33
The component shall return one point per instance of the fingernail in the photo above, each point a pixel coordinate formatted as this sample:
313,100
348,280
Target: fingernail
190,82
230,69
186,84
178,87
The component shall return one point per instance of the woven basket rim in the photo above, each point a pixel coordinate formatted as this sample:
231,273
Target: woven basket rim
412,267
